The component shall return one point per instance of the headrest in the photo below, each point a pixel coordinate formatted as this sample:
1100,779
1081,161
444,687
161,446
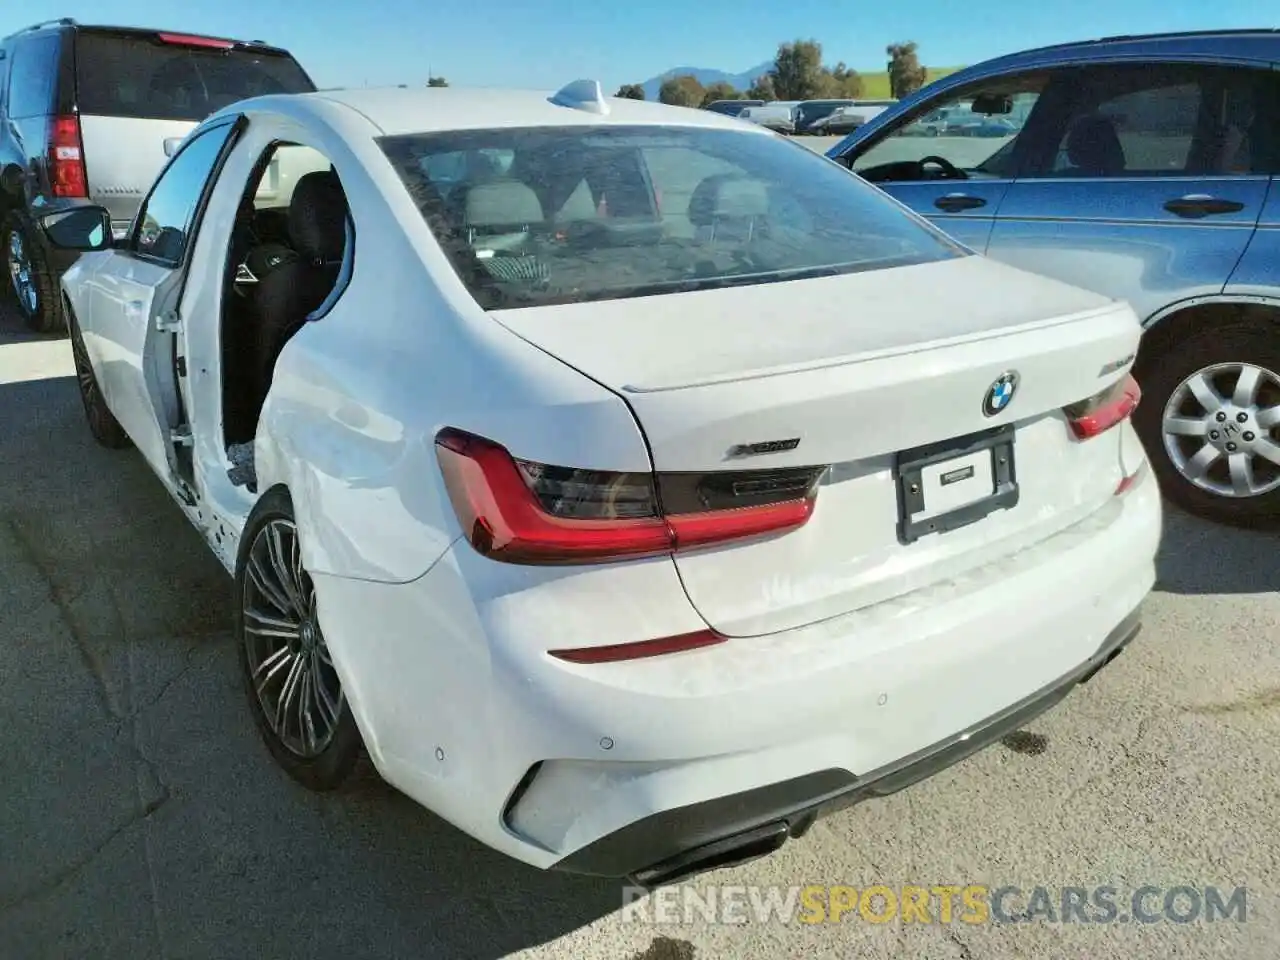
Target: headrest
1093,147
501,203
318,215
727,195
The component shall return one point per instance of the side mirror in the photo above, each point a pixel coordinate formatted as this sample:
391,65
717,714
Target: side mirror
993,104
171,145
84,228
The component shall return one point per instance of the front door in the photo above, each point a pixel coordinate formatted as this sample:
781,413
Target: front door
1146,187
953,159
136,308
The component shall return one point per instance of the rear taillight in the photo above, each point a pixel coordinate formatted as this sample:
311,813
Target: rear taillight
67,176
190,40
517,511
1104,410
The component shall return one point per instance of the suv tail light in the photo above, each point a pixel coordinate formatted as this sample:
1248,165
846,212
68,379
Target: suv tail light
67,176
1104,410
517,511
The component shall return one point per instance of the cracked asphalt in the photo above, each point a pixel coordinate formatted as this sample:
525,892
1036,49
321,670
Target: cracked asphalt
140,817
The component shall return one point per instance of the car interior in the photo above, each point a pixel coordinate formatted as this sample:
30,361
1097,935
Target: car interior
569,222
292,238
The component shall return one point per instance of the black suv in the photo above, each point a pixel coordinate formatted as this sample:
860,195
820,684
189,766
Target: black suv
89,114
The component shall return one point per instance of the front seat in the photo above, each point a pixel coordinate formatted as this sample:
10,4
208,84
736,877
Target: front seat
294,282
1094,149
729,207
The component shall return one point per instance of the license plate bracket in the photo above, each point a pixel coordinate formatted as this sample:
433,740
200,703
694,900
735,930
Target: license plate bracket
923,474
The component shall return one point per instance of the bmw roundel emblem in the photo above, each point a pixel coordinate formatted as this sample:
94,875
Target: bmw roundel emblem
1000,394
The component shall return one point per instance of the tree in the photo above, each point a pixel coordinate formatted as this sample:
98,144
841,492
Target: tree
437,82
843,83
683,91
720,90
630,91
762,89
797,72
906,76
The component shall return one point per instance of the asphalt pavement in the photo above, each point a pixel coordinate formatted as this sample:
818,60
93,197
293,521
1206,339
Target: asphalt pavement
140,817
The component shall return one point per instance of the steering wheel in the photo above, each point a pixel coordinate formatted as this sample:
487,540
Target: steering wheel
949,170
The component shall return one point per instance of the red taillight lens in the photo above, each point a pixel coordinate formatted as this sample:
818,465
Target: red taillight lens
614,652
190,40
67,176
517,511
1104,410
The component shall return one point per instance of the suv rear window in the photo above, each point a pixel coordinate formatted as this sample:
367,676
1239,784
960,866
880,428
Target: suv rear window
535,216
122,75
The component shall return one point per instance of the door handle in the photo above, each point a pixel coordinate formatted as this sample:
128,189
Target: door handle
1196,205
955,202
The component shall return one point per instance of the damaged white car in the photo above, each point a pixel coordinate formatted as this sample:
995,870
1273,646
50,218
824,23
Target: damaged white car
634,485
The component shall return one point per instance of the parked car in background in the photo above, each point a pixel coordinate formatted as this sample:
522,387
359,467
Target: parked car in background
1143,168
846,119
85,115
609,606
731,108
809,112
778,117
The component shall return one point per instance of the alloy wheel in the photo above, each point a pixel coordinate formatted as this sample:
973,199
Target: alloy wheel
1221,429
290,668
21,274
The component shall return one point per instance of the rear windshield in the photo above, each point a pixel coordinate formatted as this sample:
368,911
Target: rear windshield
534,216
139,76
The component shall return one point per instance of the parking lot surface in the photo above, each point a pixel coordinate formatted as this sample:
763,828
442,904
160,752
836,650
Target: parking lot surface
141,817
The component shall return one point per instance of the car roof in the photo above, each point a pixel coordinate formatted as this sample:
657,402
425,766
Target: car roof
1261,44
397,110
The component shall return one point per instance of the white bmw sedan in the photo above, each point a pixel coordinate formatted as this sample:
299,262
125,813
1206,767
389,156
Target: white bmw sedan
632,484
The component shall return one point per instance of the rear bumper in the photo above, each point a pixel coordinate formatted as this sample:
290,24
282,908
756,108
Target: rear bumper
634,768
715,833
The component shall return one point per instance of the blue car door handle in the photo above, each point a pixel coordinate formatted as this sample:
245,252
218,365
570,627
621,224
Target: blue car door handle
1196,205
955,202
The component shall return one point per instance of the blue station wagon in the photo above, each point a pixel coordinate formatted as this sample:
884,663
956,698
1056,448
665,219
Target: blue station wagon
1144,168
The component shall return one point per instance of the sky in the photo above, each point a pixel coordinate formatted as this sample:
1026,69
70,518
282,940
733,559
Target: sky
546,43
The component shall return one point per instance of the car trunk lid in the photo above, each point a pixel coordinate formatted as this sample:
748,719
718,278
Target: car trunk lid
849,373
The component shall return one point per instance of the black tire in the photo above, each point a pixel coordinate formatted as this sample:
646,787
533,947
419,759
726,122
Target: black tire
1254,342
103,425
329,767
45,315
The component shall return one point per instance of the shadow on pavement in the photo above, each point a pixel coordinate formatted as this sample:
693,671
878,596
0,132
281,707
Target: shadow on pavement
1198,557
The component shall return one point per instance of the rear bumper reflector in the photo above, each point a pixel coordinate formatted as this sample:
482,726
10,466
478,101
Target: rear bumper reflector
641,649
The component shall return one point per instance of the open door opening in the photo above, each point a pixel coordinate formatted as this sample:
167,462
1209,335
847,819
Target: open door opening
289,259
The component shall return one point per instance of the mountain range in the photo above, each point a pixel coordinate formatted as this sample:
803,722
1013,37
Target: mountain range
706,76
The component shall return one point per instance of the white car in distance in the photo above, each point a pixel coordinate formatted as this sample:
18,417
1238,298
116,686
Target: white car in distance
631,484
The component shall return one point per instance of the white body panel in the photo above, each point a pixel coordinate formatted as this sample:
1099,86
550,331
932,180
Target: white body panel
443,653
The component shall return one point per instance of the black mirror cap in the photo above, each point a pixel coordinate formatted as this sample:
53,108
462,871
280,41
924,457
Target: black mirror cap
86,229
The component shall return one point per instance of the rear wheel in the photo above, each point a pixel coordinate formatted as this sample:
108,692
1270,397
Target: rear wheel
1210,421
103,425
32,283
294,691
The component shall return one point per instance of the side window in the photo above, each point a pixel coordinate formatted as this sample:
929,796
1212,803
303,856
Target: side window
1164,121
973,130
32,77
163,227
